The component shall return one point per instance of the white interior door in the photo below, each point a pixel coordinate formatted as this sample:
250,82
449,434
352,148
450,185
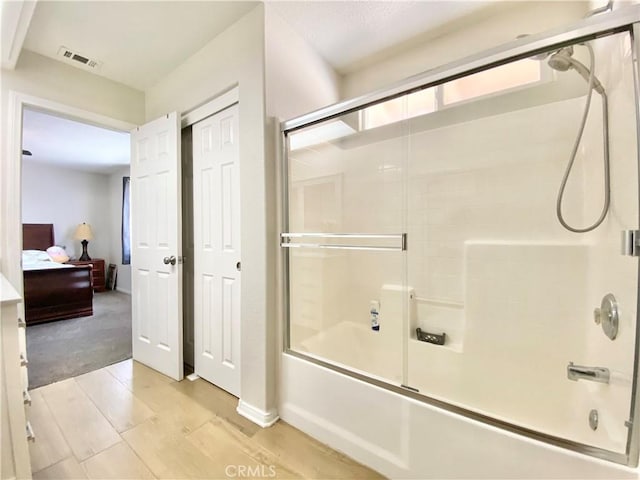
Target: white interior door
216,209
156,245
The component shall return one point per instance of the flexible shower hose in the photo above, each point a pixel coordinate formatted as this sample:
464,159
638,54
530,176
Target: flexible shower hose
574,152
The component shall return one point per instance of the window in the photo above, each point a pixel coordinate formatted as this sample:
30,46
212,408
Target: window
401,108
497,79
429,100
126,221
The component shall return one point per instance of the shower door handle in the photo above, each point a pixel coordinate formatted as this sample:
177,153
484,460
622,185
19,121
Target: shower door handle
595,374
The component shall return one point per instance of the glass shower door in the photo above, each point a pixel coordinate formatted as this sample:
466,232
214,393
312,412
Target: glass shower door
447,243
490,265
346,247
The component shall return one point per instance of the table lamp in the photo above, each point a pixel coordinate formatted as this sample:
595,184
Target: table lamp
84,233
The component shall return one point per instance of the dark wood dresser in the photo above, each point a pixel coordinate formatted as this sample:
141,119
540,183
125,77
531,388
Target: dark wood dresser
97,272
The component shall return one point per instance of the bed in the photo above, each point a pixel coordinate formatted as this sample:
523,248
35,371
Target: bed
53,291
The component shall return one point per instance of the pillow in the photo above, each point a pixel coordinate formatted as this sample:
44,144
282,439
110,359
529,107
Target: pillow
57,254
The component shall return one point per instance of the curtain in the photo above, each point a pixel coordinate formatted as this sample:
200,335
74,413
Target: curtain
126,224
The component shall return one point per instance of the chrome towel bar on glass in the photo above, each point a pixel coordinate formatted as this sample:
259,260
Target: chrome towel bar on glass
400,237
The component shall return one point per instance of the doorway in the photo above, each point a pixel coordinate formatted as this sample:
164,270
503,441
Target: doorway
56,191
13,217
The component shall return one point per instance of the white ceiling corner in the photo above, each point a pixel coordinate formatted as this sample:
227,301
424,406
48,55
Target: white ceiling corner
345,33
16,16
138,42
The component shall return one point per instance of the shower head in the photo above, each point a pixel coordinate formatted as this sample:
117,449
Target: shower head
563,60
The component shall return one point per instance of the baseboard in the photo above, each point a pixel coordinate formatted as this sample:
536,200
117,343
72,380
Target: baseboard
122,290
257,416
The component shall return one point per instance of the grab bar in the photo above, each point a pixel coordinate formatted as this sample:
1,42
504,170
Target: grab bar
595,374
402,237
343,235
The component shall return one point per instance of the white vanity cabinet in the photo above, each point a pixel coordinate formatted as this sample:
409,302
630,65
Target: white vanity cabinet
15,432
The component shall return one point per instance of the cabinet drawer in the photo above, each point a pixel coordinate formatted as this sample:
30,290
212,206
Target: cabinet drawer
97,272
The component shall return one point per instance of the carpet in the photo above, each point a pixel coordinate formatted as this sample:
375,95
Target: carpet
68,348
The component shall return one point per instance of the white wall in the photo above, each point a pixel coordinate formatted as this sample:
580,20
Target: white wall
67,198
236,57
298,80
43,77
500,23
51,80
115,229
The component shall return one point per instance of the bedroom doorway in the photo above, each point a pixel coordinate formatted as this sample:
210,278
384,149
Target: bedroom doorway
12,175
74,195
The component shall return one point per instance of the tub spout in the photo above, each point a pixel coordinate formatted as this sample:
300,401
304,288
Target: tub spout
595,374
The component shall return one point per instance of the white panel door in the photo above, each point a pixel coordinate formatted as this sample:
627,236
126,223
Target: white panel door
216,218
156,245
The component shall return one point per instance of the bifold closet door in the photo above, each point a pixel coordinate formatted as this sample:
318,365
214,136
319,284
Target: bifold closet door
216,209
156,245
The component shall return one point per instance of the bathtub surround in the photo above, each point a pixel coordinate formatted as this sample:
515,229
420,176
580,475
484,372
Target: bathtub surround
474,186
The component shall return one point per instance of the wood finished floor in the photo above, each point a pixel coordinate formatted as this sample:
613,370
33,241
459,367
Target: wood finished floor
127,421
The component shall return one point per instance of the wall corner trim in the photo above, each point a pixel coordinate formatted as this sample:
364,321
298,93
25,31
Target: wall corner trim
257,416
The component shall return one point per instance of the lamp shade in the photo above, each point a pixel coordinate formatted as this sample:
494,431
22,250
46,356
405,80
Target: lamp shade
83,232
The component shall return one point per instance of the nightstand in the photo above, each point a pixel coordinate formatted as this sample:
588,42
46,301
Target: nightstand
97,272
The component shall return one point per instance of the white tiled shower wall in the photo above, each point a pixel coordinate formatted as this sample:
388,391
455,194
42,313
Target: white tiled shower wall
487,258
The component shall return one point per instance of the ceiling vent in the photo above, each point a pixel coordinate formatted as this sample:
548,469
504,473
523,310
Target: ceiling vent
79,60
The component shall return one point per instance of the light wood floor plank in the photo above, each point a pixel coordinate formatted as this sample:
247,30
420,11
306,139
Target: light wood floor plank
86,430
132,373
114,400
224,443
217,401
308,456
152,388
117,463
169,455
171,430
50,446
67,469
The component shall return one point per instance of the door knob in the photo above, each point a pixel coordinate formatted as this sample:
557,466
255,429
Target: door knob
169,260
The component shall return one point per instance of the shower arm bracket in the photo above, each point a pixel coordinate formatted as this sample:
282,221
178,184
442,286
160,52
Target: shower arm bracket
630,243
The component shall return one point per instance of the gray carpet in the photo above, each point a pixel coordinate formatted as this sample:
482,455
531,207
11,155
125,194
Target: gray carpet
67,348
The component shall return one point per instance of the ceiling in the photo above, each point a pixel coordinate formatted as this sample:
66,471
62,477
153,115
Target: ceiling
59,142
139,42
345,33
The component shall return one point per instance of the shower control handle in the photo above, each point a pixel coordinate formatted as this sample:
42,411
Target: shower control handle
594,374
608,316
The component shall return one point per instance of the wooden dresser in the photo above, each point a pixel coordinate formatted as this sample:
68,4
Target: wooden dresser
97,272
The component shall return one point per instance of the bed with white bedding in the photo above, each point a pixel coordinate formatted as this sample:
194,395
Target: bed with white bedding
52,290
